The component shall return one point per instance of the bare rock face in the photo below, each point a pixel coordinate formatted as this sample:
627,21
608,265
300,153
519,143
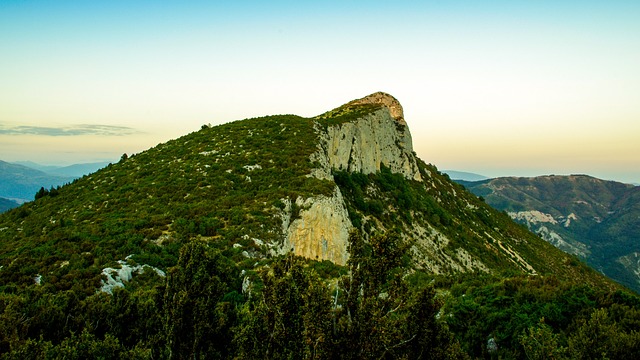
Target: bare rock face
321,229
365,144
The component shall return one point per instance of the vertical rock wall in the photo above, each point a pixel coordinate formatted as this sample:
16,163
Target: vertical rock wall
363,145
382,137
321,229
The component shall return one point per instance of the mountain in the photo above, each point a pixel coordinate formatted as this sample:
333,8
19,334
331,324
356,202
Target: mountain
287,237
6,204
33,165
595,219
291,183
21,182
462,175
75,170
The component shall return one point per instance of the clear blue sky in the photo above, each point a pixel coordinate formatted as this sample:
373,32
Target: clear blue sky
494,87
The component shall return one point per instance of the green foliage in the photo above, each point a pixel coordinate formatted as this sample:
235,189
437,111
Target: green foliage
381,317
539,342
196,314
346,113
542,317
292,317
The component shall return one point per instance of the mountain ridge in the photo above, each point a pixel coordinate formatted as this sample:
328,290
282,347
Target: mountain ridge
592,218
220,165
22,182
286,237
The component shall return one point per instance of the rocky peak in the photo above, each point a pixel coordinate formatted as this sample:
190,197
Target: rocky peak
362,144
395,109
366,143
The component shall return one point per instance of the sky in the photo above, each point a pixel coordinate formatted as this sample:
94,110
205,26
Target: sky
499,88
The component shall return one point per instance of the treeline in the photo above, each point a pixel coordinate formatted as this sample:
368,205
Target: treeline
538,317
206,310
293,309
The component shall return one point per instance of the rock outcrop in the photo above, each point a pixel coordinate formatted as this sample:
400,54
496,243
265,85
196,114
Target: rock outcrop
388,101
365,144
320,230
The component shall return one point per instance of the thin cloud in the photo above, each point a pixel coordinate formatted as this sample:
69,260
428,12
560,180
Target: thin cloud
72,130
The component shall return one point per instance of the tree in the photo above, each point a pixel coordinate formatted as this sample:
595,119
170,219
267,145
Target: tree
41,193
290,318
197,322
381,316
539,342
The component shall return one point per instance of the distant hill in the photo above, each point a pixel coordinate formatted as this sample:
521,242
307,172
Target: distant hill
21,182
595,219
462,175
75,170
6,204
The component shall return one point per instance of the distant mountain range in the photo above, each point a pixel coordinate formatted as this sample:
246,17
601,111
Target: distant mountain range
597,220
6,204
20,181
463,175
75,170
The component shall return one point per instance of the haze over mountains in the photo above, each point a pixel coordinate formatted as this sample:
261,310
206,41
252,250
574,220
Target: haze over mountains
20,181
74,170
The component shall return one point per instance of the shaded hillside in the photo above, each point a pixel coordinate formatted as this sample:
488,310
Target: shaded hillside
75,170
6,204
21,182
595,219
281,237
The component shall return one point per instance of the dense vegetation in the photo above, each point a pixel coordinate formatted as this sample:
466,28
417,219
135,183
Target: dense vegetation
147,204
189,226
204,311
208,308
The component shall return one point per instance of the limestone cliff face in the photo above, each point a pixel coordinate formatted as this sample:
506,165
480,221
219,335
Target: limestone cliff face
321,229
363,145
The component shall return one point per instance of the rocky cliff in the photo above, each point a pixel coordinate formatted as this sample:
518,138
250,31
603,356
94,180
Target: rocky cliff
321,230
362,145
366,143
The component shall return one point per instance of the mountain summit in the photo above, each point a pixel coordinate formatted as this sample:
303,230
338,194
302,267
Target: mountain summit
268,186
289,237
388,101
